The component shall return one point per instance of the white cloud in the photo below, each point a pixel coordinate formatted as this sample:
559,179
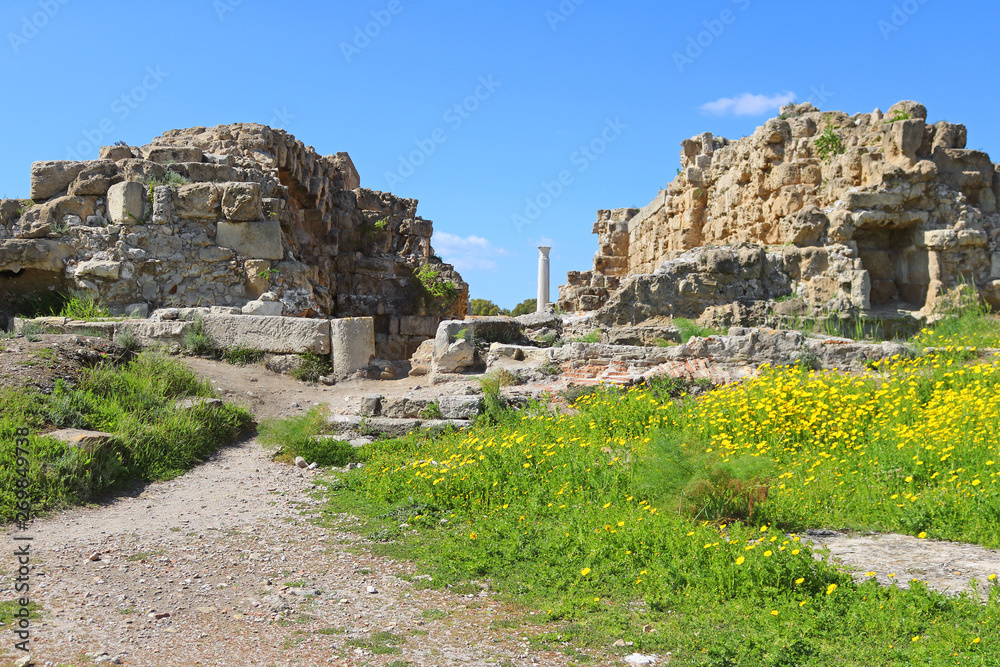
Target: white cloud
470,253
747,104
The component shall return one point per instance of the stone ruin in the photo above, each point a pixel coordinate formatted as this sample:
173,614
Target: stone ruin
238,216
814,214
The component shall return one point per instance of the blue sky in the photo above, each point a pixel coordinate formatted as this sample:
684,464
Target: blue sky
592,93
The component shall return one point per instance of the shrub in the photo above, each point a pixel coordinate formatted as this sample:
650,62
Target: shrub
313,366
592,337
526,307
829,144
198,341
430,278
689,329
126,338
83,307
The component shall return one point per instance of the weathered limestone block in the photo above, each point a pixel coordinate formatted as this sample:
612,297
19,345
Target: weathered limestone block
280,335
44,255
52,177
102,269
206,172
137,169
263,308
126,203
253,240
460,407
199,201
163,204
418,325
908,107
258,278
949,135
148,332
170,154
115,153
403,407
75,438
353,344
343,163
456,357
57,209
902,139
95,179
804,228
241,202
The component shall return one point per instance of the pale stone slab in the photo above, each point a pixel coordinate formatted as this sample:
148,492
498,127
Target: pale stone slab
148,332
126,202
51,177
80,439
280,335
96,268
353,344
253,240
459,407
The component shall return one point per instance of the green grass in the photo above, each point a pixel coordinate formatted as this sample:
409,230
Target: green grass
198,341
83,307
313,366
592,337
649,507
132,402
972,326
689,329
241,355
294,436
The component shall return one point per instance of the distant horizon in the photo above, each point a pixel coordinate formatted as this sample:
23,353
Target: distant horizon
511,125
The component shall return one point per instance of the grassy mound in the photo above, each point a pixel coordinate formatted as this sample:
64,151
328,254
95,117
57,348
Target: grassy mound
135,403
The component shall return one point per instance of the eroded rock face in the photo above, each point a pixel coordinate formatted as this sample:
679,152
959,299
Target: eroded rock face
866,212
219,216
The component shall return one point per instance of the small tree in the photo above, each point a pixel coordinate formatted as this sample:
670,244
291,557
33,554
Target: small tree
525,307
485,307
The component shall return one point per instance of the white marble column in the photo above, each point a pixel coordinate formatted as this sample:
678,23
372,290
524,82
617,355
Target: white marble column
543,278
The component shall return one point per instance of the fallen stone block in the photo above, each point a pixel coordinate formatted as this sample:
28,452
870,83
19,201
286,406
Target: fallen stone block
403,407
371,406
100,269
148,332
81,439
102,329
460,407
280,335
352,343
263,308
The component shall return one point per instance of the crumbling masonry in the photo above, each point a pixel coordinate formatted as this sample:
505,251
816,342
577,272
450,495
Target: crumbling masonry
828,213
234,215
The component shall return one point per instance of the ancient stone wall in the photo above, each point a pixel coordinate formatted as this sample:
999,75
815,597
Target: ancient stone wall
868,212
233,215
